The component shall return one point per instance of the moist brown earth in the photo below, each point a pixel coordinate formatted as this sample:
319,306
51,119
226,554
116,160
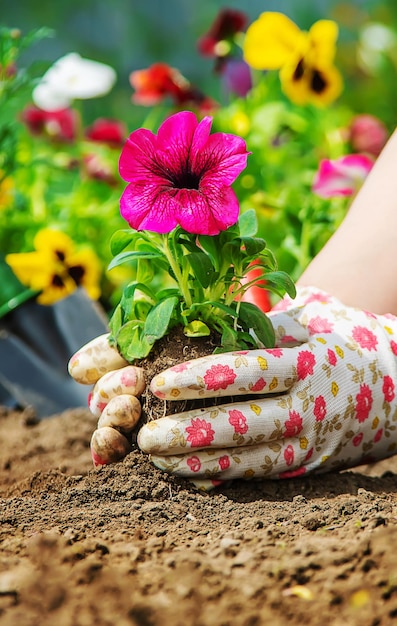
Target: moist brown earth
127,545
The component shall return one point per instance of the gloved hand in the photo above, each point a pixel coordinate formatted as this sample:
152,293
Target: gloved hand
114,398
324,399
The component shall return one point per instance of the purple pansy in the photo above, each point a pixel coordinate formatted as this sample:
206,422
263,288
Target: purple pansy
181,176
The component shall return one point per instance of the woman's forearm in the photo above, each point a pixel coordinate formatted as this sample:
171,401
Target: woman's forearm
359,263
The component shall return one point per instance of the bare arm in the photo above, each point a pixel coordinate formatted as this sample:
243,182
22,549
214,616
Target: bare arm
358,265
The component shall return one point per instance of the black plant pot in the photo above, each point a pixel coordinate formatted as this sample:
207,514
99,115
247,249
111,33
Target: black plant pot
36,343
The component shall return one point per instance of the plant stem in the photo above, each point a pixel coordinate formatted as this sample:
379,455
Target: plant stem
177,271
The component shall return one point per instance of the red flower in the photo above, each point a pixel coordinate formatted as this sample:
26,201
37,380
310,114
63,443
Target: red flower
200,433
289,455
56,125
388,388
160,81
363,403
393,345
259,385
320,408
111,132
293,425
194,463
228,23
238,421
378,435
224,462
365,337
277,352
219,377
331,357
358,439
293,473
305,364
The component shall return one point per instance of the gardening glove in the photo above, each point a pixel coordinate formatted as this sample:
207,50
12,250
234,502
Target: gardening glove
113,399
323,399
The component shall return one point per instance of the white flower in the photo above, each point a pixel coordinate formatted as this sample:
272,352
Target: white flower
72,77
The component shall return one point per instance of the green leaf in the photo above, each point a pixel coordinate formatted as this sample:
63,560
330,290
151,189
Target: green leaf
248,223
216,305
196,328
253,318
116,321
131,343
202,267
158,319
121,239
253,245
228,340
133,255
281,282
210,245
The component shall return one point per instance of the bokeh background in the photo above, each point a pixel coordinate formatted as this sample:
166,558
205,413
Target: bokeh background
132,34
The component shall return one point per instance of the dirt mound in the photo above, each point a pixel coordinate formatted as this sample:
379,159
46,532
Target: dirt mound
128,545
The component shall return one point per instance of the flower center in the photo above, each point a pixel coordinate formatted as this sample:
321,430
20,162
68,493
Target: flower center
186,180
318,83
76,272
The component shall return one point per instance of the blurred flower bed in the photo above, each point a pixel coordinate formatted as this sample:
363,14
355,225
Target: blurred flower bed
283,92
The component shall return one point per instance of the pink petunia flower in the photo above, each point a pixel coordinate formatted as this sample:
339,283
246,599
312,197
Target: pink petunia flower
200,433
343,176
367,133
219,377
182,175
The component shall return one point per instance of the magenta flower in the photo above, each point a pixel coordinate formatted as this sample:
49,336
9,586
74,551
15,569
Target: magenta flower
343,176
181,176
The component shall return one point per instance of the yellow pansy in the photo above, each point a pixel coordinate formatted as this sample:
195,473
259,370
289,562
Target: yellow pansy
305,59
55,268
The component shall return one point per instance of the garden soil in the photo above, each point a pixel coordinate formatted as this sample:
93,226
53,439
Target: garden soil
126,545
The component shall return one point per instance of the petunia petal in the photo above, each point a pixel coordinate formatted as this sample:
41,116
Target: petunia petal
146,208
223,159
207,214
341,177
136,159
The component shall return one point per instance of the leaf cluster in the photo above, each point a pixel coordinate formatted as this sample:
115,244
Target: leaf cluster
196,281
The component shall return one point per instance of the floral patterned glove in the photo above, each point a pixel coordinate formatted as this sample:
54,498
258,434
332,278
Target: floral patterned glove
114,398
323,399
